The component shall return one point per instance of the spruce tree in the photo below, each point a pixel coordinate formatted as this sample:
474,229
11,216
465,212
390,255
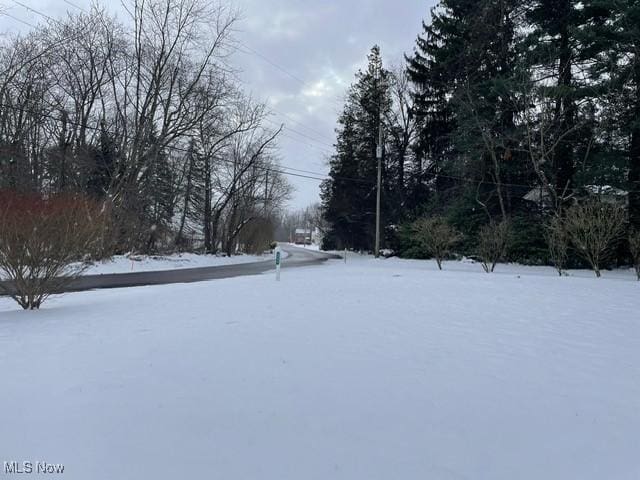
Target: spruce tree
616,44
439,64
100,178
465,68
349,197
556,55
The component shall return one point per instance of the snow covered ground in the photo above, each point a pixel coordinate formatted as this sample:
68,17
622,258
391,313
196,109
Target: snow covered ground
370,370
141,263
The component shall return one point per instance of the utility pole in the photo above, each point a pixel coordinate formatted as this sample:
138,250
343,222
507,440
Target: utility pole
266,191
379,157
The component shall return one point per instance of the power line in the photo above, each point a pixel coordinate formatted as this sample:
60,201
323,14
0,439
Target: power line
251,51
278,67
74,5
308,145
317,132
308,137
289,129
50,47
44,15
17,19
275,65
278,169
311,174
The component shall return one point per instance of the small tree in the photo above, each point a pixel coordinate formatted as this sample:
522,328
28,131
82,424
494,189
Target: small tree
45,243
558,243
634,246
437,236
594,228
493,240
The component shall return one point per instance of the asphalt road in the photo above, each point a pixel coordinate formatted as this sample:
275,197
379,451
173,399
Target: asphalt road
297,257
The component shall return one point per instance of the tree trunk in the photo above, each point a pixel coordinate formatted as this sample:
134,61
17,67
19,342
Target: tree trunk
208,226
565,112
634,157
187,200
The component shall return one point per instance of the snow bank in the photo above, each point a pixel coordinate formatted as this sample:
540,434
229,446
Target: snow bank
142,263
369,370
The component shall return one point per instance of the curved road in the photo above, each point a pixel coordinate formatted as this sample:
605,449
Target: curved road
298,257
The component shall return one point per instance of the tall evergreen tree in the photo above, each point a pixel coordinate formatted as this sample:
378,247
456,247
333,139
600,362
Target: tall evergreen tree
349,197
438,66
617,43
104,161
464,66
556,54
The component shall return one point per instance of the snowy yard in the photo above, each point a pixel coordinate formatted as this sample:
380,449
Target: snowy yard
370,370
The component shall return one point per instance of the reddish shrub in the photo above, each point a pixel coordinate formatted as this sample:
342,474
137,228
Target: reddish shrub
46,242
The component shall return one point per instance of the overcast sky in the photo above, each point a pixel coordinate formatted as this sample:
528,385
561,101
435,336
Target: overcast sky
300,57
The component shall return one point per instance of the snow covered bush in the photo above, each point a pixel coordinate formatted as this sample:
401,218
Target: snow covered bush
634,247
493,240
45,243
436,236
594,228
557,242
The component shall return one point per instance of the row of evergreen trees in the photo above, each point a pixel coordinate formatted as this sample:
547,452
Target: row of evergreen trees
506,110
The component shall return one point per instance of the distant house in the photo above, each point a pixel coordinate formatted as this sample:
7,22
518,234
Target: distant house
302,236
609,194
605,193
539,196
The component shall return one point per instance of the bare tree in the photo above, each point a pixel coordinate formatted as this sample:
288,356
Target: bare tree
25,85
545,134
594,228
437,236
401,122
158,86
557,242
146,117
634,246
489,143
46,243
493,240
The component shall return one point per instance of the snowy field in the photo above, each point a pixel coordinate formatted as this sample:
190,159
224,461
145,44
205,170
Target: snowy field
364,371
140,263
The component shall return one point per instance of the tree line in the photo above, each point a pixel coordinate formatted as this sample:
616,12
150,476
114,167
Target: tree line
507,115
145,118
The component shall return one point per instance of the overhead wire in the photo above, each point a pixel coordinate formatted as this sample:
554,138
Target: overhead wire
6,14
277,168
48,48
311,174
250,51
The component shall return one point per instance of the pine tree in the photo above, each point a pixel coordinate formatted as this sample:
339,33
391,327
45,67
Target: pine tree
439,64
104,161
349,196
616,44
465,67
556,53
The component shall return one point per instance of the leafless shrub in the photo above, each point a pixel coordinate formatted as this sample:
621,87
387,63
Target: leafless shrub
257,235
493,240
46,243
437,236
634,246
594,228
557,242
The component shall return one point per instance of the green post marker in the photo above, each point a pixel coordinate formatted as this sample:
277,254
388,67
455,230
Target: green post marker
278,262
